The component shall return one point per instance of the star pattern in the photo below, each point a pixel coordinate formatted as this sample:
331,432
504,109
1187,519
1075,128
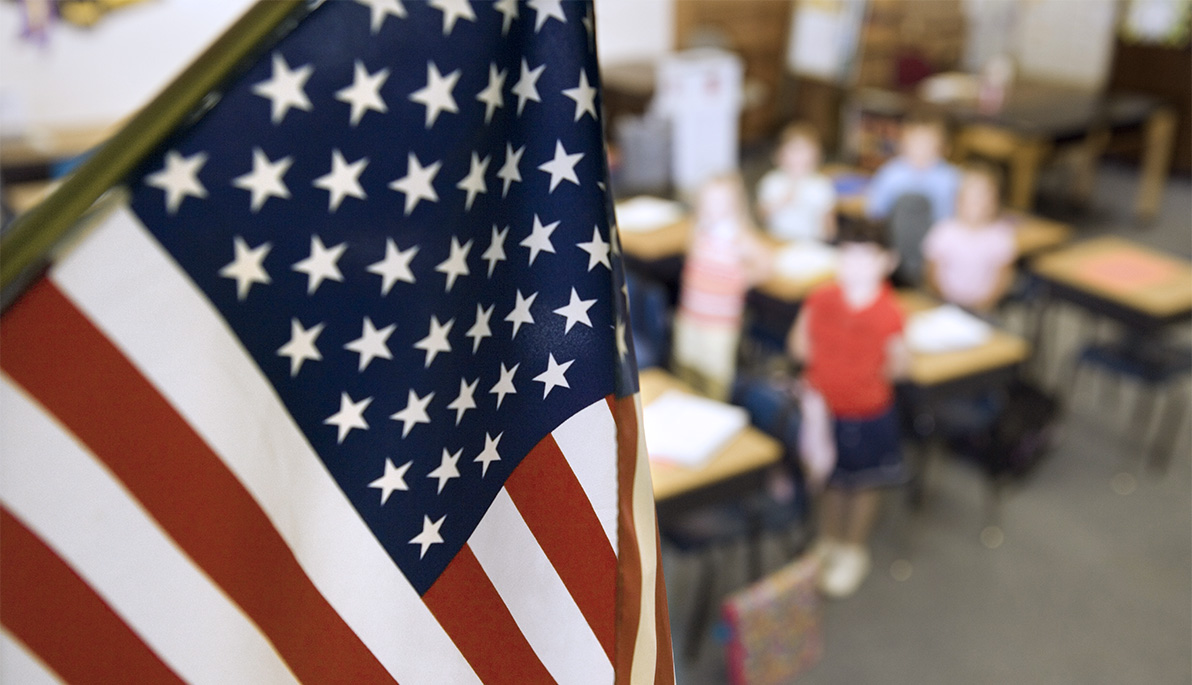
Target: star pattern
180,178
526,88
418,183
457,264
365,92
372,343
265,179
539,238
343,180
377,307
562,166
436,95
321,265
248,266
286,88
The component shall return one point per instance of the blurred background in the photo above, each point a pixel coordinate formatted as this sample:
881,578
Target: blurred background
1045,534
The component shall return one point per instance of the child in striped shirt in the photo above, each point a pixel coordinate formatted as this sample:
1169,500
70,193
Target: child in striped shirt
724,261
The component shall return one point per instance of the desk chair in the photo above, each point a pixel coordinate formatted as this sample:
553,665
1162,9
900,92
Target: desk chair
650,319
1156,367
909,221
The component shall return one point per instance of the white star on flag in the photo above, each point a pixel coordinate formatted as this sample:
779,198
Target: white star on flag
553,376
546,9
447,468
480,330
465,400
418,183
379,9
436,340
474,183
364,93
456,264
622,344
521,312
539,239
575,311
562,167
414,412
395,266
436,95
509,171
597,250
264,181
247,267
321,264
180,178
453,10
508,8
504,386
301,346
372,343
496,249
584,96
349,416
393,479
285,88
429,535
526,87
489,454
343,180
491,96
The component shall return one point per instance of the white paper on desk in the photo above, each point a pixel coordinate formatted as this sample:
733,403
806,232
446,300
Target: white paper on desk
689,430
805,260
644,214
946,329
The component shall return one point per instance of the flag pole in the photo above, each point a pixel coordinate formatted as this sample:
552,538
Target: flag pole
34,233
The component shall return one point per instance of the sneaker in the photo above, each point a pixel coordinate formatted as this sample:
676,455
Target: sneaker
849,567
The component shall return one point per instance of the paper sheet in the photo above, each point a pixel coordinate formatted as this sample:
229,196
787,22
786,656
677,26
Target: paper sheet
805,260
945,329
689,430
644,214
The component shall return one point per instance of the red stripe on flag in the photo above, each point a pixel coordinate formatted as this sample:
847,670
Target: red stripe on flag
468,607
61,359
47,606
629,562
664,672
557,510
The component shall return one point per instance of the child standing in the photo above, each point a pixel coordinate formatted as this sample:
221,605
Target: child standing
970,258
919,169
723,262
849,337
795,200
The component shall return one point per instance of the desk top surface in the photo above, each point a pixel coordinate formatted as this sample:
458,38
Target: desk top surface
1124,273
750,450
1001,350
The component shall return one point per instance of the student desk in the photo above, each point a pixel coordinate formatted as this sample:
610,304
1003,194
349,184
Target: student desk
1120,279
745,458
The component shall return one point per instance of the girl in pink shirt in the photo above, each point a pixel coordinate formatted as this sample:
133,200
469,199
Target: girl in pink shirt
970,257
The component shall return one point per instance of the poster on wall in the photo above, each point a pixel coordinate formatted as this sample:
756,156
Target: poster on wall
824,38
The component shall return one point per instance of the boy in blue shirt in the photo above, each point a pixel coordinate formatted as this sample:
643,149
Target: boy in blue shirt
919,169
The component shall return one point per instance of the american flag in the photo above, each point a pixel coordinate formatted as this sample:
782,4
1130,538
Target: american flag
343,390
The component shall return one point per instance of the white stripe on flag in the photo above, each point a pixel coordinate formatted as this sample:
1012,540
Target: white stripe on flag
588,440
19,666
152,311
536,596
645,652
75,505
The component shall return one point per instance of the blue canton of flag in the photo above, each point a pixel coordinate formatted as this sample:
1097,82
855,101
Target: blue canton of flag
410,215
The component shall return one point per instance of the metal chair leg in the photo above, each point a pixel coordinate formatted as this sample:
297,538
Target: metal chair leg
701,613
1169,427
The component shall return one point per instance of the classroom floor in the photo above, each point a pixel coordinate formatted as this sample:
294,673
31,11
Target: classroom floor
1091,582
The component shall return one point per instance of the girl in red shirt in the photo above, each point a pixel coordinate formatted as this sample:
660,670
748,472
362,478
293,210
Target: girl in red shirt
849,337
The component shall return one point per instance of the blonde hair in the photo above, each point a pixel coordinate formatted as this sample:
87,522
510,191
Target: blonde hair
800,130
733,181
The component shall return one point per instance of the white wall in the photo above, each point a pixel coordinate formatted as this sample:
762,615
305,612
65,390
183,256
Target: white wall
632,30
93,77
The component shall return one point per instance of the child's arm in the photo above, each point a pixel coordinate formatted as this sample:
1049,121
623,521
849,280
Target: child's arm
880,196
829,230
798,341
930,277
898,357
